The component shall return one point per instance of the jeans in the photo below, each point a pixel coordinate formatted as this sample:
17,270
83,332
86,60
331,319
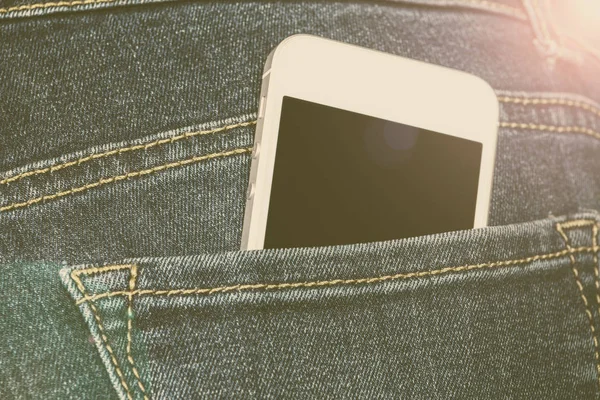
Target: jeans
125,133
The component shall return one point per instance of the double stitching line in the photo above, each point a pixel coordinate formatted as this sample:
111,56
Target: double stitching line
133,271
134,174
513,11
525,101
552,101
290,285
116,152
334,282
104,181
588,310
551,128
133,275
35,6
145,146
75,277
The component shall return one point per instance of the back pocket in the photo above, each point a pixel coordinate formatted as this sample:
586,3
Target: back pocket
505,312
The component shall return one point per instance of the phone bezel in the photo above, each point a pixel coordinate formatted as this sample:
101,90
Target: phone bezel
372,83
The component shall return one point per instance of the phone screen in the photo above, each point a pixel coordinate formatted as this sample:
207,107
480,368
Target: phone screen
341,177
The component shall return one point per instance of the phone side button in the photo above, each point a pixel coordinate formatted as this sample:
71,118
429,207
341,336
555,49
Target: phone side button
261,107
250,192
256,150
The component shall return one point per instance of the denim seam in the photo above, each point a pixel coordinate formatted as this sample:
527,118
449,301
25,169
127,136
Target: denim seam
187,135
135,174
133,270
551,128
555,101
544,40
27,7
122,150
334,282
145,146
75,277
542,26
485,5
595,235
561,227
117,178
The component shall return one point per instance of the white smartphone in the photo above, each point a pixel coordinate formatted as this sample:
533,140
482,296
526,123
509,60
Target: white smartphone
354,145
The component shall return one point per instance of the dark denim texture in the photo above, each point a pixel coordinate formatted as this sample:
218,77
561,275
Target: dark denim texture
124,135
429,317
45,349
152,72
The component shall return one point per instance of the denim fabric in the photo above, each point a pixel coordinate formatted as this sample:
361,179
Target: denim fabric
430,317
84,128
124,135
46,350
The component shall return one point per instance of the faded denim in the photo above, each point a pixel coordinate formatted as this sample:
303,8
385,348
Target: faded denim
430,317
125,134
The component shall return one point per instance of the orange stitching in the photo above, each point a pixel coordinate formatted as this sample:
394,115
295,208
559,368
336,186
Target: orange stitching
128,175
143,146
578,223
95,270
53,4
335,282
550,101
588,311
75,278
551,128
506,99
132,278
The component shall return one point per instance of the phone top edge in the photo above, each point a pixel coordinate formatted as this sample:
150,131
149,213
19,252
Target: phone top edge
479,93
300,41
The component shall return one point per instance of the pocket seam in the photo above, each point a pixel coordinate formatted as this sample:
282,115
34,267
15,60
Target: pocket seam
122,150
522,100
132,174
75,277
551,101
134,269
551,128
561,228
324,283
133,273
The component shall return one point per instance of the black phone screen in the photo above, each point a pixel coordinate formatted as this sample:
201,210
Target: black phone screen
341,177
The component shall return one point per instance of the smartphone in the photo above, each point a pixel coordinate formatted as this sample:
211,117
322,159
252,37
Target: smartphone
354,145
